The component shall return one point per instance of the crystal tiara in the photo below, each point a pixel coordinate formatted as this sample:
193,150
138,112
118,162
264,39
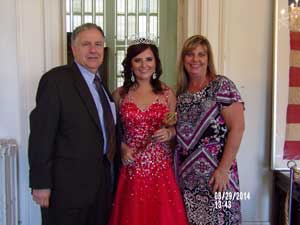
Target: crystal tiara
141,40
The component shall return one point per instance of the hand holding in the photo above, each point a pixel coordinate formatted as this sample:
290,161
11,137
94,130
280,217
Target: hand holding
162,135
170,119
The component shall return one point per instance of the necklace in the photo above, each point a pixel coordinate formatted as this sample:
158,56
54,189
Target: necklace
193,88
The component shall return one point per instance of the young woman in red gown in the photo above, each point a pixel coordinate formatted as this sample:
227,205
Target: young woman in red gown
147,193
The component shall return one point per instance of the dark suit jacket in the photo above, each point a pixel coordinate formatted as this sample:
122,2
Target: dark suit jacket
66,141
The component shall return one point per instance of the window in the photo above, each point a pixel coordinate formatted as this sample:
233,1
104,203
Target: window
132,18
84,11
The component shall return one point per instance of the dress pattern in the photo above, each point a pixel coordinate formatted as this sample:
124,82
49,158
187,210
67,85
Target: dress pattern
147,193
201,137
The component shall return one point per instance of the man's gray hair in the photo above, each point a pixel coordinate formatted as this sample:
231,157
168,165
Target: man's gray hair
83,27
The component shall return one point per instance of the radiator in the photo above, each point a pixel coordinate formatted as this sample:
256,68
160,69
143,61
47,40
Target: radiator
8,182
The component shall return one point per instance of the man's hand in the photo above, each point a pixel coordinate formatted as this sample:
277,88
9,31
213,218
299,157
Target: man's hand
127,154
41,197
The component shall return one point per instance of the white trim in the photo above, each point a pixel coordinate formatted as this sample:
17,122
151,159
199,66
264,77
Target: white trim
189,20
53,33
180,25
204,17
24,194
213,27
39,48
192,17
64,33
222,22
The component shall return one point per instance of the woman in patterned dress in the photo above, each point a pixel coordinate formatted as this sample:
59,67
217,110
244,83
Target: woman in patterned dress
147,192
210,126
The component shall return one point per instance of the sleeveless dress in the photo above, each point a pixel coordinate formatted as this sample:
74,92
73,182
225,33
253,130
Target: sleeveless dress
147,193
201,137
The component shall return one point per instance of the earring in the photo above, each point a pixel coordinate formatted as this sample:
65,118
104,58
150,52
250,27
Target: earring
132,78
154,76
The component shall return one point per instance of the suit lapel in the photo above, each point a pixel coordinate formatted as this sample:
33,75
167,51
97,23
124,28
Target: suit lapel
85,94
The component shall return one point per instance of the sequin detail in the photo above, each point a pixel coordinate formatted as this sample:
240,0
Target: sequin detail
147,193
139,125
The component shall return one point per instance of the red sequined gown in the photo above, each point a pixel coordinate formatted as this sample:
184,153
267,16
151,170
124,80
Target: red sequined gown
147,193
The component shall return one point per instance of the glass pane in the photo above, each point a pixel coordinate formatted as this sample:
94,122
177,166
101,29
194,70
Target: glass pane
88,7
120,81
68,25
76,21
68,6
142,25
142,6
131,27
99,21
120,27
121,6
131,6
99,6
76,5
153,6
153,25
120,58
88,19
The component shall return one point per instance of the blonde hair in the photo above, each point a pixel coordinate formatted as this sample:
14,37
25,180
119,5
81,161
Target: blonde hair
190,44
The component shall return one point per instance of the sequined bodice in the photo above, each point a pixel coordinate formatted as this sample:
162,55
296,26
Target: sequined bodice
139,126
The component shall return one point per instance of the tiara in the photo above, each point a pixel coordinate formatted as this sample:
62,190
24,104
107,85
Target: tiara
142,38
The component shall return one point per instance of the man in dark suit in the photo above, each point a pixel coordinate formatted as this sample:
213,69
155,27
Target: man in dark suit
74,139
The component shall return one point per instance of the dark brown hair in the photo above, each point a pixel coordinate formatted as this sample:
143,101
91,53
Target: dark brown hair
132,52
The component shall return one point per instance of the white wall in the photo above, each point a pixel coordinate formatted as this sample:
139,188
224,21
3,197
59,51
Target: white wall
30,45
28,26
9,81
9,91
248,61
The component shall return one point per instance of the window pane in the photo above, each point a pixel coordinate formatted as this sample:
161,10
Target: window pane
88,19
142,25
99,21
99,6
76,21
120,57
68,25
68,6
153,25
120,27
120,81
142,6
88,6
131,27
131,6
121,6
76,5
153,6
